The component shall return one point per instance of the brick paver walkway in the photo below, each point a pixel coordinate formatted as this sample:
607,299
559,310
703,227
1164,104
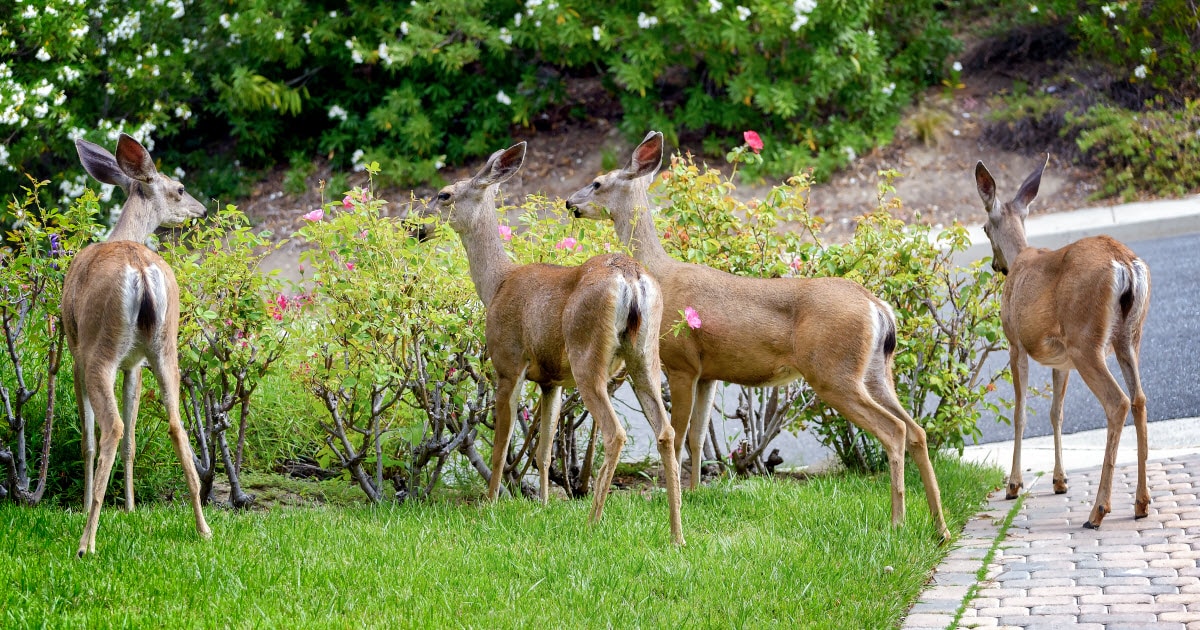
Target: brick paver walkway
1050,572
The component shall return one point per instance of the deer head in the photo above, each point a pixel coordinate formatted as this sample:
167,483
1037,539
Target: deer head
469,204
597,199
153,199
1005,226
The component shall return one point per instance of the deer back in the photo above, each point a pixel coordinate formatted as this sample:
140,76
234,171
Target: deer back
120,301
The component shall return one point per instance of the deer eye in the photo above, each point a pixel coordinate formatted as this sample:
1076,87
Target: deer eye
596,185
445,196
181,191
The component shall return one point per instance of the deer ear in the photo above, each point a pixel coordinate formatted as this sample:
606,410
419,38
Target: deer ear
986,186
501,166
135,160
101,164
1029,189
647,157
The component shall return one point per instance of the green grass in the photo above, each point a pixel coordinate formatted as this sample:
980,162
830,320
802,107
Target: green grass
760,551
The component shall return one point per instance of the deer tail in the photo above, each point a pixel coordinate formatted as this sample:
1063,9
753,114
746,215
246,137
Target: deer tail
885,337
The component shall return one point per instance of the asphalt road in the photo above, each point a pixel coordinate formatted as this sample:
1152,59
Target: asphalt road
1170,359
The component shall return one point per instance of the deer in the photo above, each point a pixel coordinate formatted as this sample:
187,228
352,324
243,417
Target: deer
1069,309
764,332
560,326
120,310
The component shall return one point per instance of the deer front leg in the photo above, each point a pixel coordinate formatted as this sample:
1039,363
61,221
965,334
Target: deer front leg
1095,374
698,427
1019,363
131,392
683,395
508,390
1059,379
548,407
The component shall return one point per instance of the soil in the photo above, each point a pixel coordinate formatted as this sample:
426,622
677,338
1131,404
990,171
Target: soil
566,151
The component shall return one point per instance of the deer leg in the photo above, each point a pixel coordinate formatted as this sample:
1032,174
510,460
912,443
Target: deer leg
1059,380
548,406
646,384
131,392
1127,359
1095,374
508,391
918,447
87,439
100,385
595,398
166,370
1019,363
857,405
698,427
683,396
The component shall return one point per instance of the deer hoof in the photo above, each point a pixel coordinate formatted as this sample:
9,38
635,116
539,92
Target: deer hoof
1098,515
1060,486
1089,525
1014,490
1141,509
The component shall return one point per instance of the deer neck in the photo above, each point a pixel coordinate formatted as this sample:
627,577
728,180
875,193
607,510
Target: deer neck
137,220
1013,242
489,263
639,234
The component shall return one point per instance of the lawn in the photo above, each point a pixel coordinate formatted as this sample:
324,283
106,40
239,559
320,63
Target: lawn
817,553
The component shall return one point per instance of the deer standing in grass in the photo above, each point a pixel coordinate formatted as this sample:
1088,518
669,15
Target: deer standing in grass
764,332
120,307
1068,309
561,326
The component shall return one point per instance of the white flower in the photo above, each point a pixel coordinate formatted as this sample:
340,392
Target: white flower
279,34
177,8
850,154
179,173
503,98
40,110
1146,52
505,36
49,10
596,33
956,132
517,19
1140,71
30,12
224,20
646,21
356,160
804,6
404,28
1033,8
333,14
338,112
714,6
42,55
1107,10
3,155
889,89
438,164
356,56
800,21
957,66
743,13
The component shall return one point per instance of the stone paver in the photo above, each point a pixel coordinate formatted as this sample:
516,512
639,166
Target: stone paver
1049,571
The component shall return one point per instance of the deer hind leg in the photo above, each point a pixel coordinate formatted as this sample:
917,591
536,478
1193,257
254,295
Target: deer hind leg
99,386
131,392
1019,366
857,405
1127,359
884,394
166,370
1059,379
594,392
646,385
508,392
549,406
88,438
1095,374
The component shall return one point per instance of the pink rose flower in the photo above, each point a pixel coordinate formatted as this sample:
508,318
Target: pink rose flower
347,201
568,243
753,141
505,233
315,215
796,264
693,318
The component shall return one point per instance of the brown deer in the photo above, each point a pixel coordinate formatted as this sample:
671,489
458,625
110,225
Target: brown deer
561,326
1068,309
764,332
120,309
